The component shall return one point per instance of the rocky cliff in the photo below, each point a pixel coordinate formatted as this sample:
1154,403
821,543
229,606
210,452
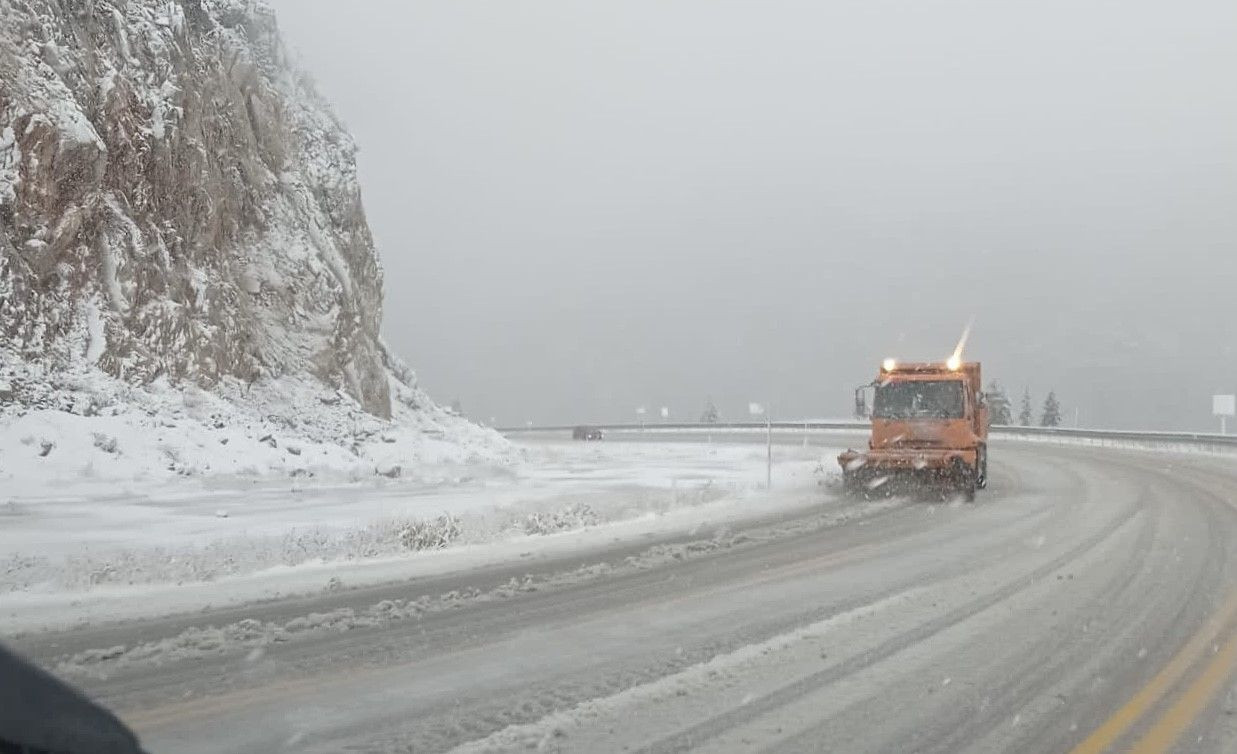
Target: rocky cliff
176,200
179,211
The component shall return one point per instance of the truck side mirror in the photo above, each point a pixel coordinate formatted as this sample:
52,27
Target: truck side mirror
861,402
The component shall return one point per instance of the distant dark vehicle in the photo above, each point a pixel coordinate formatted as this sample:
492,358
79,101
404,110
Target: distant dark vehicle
586,433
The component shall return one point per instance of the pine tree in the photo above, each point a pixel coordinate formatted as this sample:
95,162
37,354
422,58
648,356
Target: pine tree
1025,417
1051,416
1000,411
710,415
456,408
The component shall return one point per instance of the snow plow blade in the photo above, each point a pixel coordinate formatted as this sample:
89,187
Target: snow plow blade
876,471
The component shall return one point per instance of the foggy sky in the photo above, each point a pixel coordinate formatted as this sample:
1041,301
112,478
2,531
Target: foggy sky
584,207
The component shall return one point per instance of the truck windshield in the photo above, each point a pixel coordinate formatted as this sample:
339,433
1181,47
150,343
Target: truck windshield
919,399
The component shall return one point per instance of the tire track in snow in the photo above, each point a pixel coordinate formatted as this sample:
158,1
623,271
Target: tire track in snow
708,729
518,736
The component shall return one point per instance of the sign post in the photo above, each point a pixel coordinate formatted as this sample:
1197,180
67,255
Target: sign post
1223,406
755,409
640,412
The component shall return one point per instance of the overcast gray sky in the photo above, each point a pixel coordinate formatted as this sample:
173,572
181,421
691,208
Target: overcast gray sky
583,207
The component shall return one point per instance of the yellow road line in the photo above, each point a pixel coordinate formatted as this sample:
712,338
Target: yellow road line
1116,726
1173,723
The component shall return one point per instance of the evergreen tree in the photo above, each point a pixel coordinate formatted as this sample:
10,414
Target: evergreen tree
1051,416
710,415
1000,411
1025,417
456,408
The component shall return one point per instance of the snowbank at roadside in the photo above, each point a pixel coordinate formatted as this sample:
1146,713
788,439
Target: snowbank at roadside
107,433
81,558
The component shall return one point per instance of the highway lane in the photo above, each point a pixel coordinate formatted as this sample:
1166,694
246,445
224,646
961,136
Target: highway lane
1086,602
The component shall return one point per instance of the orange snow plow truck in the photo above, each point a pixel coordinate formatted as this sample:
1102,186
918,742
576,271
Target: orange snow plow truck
929,428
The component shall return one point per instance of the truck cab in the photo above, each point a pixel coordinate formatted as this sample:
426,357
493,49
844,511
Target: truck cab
929,426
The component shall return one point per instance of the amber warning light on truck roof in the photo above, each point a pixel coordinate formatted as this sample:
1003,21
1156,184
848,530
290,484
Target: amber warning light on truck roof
955,361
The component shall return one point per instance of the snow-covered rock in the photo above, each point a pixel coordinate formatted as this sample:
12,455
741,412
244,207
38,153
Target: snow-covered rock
181,226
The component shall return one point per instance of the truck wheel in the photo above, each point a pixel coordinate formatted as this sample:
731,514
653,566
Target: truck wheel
981,465
965,478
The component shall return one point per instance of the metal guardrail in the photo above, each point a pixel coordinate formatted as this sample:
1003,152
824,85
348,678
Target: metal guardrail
650,426
1097,436
1119,434
1196,441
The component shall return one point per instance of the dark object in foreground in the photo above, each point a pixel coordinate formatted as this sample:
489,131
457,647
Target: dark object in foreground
586,433
40,714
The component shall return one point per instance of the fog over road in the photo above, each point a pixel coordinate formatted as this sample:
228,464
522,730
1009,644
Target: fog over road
1086,600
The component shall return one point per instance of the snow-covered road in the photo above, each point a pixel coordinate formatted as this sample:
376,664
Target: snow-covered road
1086,600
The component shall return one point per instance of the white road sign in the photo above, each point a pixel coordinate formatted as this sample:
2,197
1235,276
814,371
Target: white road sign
1223,405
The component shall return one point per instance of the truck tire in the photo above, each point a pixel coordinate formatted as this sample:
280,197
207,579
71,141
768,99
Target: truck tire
966,478
981,466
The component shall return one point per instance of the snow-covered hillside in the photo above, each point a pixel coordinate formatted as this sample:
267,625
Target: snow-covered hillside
187,279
